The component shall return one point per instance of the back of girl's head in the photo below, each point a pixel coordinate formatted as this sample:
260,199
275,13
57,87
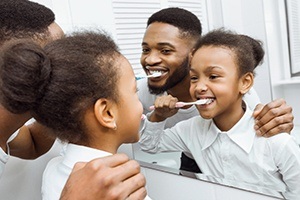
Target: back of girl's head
58,84
248,52
24,19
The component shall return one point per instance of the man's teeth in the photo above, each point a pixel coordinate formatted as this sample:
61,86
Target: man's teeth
155,72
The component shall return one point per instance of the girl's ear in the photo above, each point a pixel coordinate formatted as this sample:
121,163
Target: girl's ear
104,111
246,82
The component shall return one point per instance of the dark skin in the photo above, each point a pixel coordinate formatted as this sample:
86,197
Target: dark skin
275,117
9,124
117,175
31,141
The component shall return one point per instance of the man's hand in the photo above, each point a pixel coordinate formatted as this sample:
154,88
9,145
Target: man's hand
274,118
165,107
109,178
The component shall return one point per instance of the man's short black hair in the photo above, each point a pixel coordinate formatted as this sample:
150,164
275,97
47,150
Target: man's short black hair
184,20
23,18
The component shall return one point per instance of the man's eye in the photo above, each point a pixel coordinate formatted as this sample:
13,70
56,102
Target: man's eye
145,50
165,51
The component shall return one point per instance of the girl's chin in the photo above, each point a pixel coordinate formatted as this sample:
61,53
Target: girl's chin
206,116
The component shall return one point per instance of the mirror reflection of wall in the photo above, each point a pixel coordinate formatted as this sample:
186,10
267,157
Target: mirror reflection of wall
293,28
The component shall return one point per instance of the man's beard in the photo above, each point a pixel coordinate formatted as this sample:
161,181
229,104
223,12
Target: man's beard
179,74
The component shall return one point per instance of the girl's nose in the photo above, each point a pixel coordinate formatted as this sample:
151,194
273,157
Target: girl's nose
201,87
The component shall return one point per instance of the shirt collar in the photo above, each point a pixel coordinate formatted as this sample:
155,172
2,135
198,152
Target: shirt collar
78,153
242,133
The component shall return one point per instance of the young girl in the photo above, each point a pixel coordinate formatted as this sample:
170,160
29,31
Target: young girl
223,142
79,86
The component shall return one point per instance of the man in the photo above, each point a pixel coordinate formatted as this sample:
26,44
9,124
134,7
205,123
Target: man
169,38
108,178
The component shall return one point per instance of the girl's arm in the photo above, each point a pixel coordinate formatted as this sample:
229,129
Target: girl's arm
154,138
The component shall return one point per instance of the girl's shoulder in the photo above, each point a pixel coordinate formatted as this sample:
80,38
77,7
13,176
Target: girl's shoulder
282,142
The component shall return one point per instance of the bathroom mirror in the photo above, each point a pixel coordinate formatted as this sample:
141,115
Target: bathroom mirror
252,23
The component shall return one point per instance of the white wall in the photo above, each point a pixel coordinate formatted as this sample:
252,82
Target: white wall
76,14
247,17
266,21
283,86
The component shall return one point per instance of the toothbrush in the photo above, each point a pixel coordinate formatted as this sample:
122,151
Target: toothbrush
198,102
154,75
180,104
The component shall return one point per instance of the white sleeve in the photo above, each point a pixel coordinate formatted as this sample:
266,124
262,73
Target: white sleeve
3,160
154,138
287,158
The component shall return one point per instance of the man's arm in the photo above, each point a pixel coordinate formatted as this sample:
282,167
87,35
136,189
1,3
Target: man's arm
9,123
32,141
273,118
112,178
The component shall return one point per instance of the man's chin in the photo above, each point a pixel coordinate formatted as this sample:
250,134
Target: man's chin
156,90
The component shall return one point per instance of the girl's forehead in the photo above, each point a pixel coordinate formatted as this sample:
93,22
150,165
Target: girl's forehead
209,56
211,50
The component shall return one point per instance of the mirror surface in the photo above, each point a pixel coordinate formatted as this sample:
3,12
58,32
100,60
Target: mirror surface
171,161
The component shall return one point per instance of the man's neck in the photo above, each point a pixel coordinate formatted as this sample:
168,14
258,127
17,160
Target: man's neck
181,90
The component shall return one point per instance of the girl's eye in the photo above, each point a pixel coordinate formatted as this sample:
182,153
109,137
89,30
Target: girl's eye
194,78
213,76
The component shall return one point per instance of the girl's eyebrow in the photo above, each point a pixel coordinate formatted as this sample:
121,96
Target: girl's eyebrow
209,68
192,69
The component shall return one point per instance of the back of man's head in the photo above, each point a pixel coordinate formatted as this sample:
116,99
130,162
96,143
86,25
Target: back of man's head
184,20
23,19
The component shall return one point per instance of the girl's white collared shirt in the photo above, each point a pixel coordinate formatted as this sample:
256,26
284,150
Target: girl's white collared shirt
235,155
59,168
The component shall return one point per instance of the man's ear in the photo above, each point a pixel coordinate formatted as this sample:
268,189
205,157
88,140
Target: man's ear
104,112
246,82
